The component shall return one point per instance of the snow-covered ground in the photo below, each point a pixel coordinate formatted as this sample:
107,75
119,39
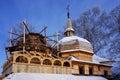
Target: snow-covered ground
38,76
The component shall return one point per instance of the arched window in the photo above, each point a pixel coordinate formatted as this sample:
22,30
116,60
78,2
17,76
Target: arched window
67,64
57,63
22,59
47,62
35,61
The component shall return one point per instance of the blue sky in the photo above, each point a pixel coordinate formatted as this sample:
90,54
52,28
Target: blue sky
40,12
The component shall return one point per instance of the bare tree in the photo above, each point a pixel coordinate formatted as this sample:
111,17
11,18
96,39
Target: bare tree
88,27
102,29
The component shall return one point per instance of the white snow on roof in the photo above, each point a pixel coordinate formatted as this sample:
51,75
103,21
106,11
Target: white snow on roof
99,59
70,38
38,76
78,60
84,45
69,29
95,60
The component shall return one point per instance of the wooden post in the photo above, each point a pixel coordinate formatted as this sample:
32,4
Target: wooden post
45,33
57,34
11,37
24,36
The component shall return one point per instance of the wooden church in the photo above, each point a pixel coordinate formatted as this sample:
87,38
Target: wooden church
32,53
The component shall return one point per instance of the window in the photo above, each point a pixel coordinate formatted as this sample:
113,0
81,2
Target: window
35,61
67,64
22,59
47,62
57,63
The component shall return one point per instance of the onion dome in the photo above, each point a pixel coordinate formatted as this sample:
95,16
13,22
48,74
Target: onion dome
74,43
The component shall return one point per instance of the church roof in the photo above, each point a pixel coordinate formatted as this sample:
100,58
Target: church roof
38,76
95,60
69,26
99,59
69,29
66,39
85,45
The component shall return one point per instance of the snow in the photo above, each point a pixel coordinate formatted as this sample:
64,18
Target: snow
69,29
72,38
99,59
17,52
73,58
84,45
38,76
78,60
94,60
